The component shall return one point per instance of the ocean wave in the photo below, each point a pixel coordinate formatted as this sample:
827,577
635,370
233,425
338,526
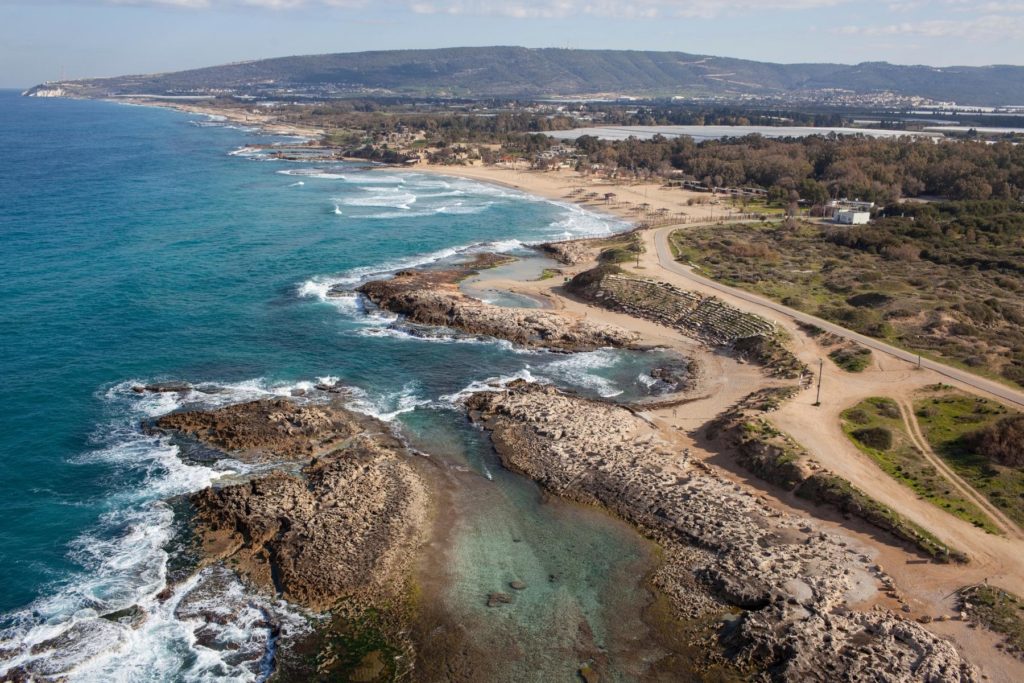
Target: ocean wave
645,380
247,152
318,286
312,173
372,178
580,222
389,405
578,369
440,336
124,563
394,200
490,384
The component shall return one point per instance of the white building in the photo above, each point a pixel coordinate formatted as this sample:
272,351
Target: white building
853,217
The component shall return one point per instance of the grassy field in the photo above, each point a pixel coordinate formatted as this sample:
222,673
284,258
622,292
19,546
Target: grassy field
950,289
875,427
946,416
996,610
852,358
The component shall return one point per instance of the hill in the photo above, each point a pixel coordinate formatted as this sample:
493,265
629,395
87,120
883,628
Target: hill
522,72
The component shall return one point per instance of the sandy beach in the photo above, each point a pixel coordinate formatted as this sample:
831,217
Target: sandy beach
632,201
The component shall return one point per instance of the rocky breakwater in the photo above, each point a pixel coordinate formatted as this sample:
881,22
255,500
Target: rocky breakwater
726,552
432,297
332,528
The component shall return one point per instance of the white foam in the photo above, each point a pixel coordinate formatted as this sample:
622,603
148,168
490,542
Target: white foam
393,199
373,179
241,632
123,555
489,385
390,405
337,210
441,337
646,380
578,369
579,222
312,173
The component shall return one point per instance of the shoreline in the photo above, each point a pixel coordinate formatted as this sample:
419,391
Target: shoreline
553,185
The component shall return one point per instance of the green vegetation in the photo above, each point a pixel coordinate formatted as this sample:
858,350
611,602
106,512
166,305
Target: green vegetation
945,281
876,427
777,458
516,71
951,421
621,250
852,358
996,610
834,490
1002,442
549,273
365,647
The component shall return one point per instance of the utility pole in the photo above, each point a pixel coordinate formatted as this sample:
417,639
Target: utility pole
918,361
821,368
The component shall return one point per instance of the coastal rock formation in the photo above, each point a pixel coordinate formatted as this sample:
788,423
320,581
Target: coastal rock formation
569,252
723,547
272,429
341,528
432,298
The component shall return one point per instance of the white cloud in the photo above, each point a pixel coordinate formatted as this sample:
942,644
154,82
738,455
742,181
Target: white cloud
991,27
634,9
519,9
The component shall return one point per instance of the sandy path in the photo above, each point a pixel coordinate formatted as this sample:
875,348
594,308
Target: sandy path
998,517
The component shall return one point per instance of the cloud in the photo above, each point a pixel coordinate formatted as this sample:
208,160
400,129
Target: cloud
518,9
989,27
637,9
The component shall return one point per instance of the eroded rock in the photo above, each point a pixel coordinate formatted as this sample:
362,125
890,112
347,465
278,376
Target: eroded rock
723,546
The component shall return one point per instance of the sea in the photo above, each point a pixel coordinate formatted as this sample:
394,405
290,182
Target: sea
142,244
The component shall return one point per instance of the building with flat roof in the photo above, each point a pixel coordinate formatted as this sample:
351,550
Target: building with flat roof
853,217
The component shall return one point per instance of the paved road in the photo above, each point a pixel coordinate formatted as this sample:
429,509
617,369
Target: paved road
996,389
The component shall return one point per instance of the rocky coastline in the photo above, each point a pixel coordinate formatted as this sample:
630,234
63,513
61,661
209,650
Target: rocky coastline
330,521
795,591
432,297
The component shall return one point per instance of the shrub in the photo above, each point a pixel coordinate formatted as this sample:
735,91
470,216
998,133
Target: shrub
887,408
1014,372
869,300
852,359
1002,442
878,438
857,416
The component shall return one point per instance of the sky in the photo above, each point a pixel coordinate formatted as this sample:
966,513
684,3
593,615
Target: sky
44,40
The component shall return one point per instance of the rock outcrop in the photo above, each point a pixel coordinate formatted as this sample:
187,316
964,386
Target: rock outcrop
723,547
339,529
432,298
272,429
569,252
343,529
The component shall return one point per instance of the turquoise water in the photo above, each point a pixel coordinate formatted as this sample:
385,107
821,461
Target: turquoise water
134,247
